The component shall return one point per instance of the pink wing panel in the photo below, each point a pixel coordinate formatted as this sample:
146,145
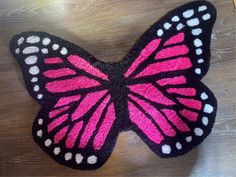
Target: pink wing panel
82,64
104,129
60,135
79,82
67,100
183,91
191,103
56,122
176,120
56,60
55,112
144,54
57,73
181,63
156,115
87,103
144,124
189,115
92,123
73,134
178,38
151,92
172,81
172,52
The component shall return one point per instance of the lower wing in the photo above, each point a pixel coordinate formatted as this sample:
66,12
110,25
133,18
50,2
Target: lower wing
171,116
80,135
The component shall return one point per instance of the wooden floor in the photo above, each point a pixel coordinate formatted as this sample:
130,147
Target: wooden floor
108,29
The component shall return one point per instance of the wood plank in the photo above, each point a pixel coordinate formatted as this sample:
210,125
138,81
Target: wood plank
108,29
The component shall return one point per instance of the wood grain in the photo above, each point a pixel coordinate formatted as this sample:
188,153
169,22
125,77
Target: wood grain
108,29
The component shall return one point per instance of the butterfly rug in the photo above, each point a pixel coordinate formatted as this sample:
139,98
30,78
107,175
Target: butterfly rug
155,91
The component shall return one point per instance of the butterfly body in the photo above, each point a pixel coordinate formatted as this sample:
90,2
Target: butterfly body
154,91
119,95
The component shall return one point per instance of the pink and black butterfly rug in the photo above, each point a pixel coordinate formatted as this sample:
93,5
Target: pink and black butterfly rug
154,91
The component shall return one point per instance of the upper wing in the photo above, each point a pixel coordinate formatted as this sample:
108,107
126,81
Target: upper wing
170,108
54,68
75,125
181,39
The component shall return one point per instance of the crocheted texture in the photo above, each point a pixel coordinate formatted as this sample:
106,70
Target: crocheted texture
154,91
